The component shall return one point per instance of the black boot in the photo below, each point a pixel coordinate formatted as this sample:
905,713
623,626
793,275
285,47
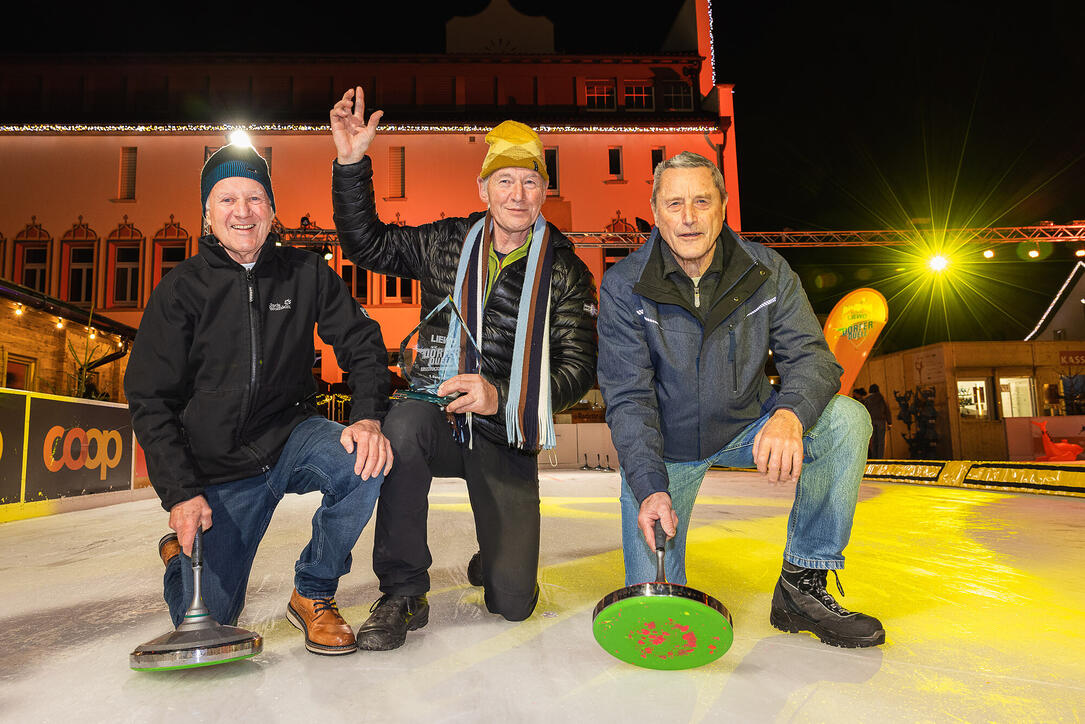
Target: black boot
801,603
474,570
390,619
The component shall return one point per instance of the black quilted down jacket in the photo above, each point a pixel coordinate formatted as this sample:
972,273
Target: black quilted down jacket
431,253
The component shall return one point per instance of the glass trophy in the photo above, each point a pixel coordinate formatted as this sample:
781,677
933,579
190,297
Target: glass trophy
440,347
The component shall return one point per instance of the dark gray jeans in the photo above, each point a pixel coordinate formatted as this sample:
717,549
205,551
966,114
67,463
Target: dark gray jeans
503,486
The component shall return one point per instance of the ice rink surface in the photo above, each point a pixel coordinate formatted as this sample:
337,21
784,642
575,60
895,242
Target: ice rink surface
982,595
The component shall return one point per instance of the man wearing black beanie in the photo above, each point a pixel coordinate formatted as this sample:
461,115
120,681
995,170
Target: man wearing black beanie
221,390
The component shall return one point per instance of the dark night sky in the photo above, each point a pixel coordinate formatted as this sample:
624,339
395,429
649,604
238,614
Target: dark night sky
848,115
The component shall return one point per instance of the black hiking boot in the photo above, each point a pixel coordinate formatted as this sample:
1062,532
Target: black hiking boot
801,603
390,619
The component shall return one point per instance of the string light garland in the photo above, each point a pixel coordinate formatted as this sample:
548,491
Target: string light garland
711,45
77,128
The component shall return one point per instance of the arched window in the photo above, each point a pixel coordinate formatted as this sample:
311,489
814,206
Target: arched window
170,246
79,250
32,256
125,249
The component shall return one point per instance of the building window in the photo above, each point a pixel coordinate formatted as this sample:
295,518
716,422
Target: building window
397,290
550,155
125,263
1015,394
34,260
357,280
19,372
126,183
31,256
973,400
599,95
125,255
614,161
678,96
397,172
638,95
658,154
170,248
167,256
80,276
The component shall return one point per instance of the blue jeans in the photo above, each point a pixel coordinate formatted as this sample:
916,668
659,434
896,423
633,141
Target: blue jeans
834,456
312,459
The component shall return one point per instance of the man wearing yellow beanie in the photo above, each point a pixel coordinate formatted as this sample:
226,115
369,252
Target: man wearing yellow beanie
530,305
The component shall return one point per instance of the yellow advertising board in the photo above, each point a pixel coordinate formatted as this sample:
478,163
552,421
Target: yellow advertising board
54,447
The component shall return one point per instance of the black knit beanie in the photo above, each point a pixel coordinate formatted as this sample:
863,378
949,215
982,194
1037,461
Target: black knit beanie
234,160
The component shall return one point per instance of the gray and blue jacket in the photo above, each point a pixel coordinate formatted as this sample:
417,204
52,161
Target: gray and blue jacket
679,390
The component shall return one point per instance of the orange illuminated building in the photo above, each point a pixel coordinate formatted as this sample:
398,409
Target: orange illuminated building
102,154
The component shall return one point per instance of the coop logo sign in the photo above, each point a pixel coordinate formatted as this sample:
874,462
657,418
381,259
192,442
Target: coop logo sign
75,448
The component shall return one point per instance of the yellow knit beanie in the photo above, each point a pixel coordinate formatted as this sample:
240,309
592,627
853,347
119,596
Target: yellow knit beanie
514,144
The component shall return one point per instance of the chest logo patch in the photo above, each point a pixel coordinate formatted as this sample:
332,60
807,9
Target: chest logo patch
278,307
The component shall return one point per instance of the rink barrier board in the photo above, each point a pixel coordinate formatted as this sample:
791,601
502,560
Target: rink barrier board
1015,477
56,449
1010,477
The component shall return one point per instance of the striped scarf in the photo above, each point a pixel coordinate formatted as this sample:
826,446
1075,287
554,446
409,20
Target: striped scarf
529,420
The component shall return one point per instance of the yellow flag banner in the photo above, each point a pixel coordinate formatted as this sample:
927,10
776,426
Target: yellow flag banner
851,330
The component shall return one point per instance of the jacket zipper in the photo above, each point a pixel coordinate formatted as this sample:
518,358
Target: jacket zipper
731,358
252,332
250,284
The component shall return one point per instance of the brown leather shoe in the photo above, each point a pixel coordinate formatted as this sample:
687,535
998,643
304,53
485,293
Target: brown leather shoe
168,548
325,630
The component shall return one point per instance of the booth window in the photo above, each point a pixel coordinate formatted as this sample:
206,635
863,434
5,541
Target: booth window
973,399
19,372
1015,394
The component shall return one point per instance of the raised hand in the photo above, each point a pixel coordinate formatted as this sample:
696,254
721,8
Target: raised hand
352,135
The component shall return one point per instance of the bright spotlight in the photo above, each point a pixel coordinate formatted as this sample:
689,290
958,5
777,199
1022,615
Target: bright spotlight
938,263
239,138
1079,252
988,253
1033,253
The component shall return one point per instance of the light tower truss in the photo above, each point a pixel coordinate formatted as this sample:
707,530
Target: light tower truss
885,237
311,234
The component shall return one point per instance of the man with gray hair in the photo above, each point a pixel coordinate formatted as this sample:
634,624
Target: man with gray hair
686,325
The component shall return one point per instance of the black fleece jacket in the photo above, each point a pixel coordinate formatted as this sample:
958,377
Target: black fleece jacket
431,253
221,369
